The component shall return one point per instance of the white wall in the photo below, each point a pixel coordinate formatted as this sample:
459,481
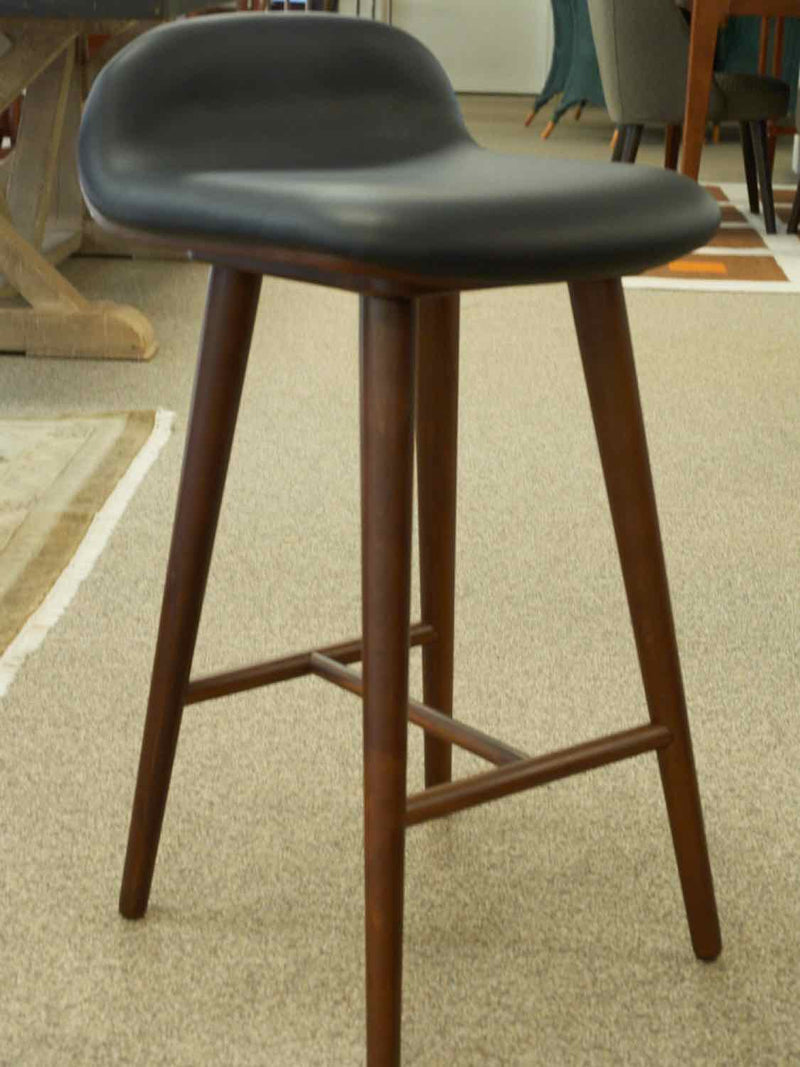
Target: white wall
487,46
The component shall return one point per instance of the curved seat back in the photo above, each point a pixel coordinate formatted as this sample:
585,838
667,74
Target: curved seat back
643,54
267,92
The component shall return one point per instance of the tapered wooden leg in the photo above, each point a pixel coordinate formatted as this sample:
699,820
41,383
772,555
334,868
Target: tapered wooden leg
617,144
758,132
227,331
387,462
604,340
437,437
672,147
750,174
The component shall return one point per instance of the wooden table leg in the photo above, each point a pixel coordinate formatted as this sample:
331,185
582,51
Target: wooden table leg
60,321
706,18
41,209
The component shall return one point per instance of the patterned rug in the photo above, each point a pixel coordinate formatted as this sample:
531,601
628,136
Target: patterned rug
741,257
64,484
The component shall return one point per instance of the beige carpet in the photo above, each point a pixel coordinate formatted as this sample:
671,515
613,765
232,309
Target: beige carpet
543,931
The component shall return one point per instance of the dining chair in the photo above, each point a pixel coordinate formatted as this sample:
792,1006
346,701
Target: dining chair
794,217
643,50
392,199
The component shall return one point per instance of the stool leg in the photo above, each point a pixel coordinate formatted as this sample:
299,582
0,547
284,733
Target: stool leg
230,313
437,436
387,469
604,339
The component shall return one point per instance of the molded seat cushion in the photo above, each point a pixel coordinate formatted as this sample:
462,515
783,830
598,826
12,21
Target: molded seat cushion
342,136
751,97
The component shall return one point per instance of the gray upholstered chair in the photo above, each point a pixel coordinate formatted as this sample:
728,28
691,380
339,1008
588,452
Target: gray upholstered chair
643,52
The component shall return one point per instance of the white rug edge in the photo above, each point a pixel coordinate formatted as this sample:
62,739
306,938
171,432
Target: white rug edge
33,633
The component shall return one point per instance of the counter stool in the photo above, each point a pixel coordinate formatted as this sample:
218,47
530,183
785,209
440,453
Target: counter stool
340,157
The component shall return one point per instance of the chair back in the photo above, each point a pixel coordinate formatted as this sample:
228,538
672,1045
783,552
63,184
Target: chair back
304,91
643,54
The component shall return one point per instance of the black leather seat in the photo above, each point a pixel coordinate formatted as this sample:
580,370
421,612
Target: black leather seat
332,150
214,129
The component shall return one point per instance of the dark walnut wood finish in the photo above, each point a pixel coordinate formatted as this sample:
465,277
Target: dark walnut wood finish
230,314
437,439
672,147
409,382
602,326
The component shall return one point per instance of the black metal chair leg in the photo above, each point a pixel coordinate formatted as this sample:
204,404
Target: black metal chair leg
227,331
758,133
604,339
387,467
750,173
794,218
633,138
618,144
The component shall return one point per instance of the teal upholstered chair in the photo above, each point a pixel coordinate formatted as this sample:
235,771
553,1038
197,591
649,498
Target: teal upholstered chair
573,70
643,50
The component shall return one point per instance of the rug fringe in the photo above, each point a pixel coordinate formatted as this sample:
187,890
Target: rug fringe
88,552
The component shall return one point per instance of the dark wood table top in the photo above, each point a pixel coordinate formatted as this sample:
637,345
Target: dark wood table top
100,9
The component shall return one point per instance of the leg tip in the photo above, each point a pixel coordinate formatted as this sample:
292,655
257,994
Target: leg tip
709,948
131,906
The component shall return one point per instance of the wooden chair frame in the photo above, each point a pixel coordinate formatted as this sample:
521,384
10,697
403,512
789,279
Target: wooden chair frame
409,392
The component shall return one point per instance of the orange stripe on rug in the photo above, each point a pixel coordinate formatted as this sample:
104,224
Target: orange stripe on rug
753,268
694,266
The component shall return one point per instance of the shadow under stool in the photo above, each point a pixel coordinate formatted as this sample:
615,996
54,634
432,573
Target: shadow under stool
340,157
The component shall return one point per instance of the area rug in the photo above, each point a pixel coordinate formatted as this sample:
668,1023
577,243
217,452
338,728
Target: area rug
741,257
64,484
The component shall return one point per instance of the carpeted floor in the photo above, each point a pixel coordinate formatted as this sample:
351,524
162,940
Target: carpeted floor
544,930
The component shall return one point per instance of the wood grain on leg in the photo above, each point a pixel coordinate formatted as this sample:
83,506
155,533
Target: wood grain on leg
672,147
706,18
227,331
387,461
604,340
437,442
